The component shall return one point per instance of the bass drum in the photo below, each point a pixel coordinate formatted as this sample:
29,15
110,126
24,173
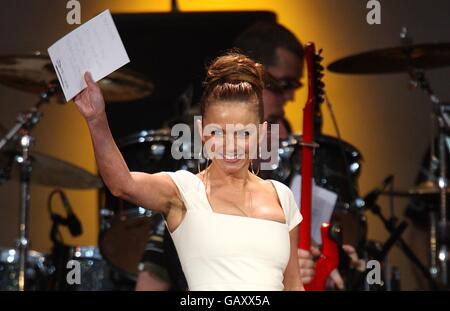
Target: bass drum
337,166
125,227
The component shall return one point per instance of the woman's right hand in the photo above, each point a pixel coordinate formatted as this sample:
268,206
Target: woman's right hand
306,263
90,101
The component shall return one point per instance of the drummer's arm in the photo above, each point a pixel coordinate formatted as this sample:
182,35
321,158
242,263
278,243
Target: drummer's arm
153,191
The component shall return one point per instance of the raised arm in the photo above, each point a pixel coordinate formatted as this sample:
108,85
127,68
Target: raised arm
152,191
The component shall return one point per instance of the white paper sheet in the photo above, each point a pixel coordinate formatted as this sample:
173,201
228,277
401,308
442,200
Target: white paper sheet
94,46
323,202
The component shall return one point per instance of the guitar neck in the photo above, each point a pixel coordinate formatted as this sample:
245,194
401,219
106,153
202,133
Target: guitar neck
307,151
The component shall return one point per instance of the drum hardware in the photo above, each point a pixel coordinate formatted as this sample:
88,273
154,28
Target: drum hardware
427,189
310,145
34,73
21,131
24,124
391,226
37,271
414,59
395,236
26,160
439,114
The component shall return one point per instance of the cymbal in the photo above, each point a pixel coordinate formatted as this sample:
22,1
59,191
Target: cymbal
50,171
125,85
46,170
395,59
426,188
34,73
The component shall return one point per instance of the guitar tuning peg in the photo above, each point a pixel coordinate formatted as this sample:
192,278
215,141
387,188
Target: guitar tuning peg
319,99
319,58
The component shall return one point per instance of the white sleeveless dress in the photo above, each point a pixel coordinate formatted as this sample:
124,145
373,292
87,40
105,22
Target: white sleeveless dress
227,252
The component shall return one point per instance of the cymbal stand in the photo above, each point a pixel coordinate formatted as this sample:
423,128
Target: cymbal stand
419,80
24,124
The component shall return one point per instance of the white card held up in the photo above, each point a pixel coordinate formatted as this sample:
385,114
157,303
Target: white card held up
94,46
323,202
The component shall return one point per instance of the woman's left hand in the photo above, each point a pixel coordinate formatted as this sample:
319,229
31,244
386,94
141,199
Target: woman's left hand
335,279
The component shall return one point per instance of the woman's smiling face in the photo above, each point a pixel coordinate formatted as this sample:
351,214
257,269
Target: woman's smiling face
230,134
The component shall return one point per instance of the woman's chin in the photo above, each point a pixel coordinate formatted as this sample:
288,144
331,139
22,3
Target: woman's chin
232,166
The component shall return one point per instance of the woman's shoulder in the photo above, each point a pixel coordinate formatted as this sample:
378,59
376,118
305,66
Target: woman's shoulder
180,174
279,186
184,179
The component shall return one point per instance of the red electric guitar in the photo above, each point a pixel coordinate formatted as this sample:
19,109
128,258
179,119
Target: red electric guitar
329,258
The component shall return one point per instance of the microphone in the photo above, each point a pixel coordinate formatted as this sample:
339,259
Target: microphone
372,196
73,222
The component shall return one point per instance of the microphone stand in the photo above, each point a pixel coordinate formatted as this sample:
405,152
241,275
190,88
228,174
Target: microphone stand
395,236
390,226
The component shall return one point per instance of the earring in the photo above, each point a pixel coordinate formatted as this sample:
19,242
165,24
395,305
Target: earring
208,163
198,160
253,171
258,156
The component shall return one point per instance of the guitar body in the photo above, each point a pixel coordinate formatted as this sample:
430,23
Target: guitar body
327,262
329,259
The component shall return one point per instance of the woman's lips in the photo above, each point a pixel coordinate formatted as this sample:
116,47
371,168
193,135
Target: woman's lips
229,158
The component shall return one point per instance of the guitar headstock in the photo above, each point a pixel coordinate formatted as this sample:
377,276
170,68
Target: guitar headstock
316,87
315,73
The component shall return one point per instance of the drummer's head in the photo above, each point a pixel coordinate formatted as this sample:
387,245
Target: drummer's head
233,111
281,53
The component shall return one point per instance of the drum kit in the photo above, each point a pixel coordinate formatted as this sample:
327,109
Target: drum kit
125,229
415,59
22,268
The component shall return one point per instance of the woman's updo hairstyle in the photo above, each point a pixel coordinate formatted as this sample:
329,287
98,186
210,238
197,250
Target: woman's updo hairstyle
234,77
